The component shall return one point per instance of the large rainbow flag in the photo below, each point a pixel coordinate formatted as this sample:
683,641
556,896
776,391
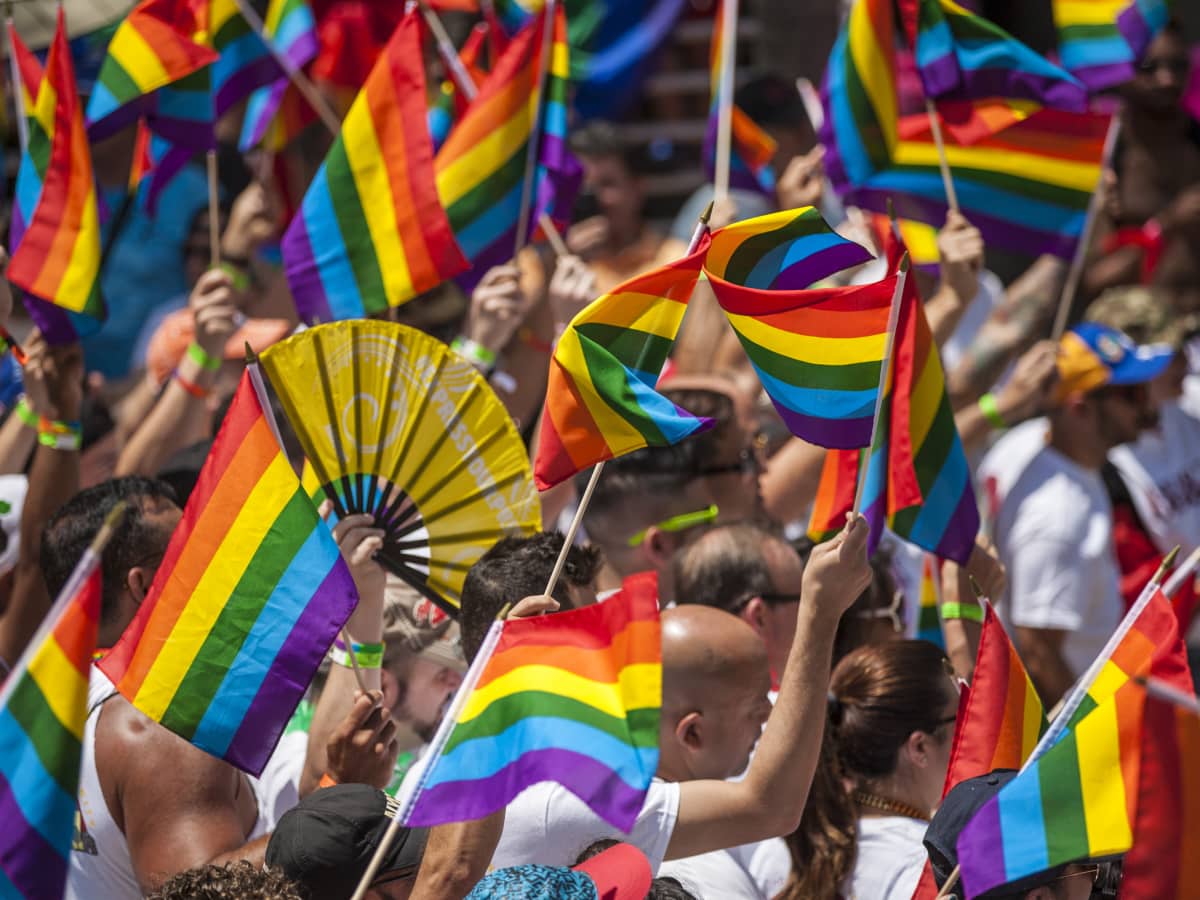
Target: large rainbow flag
573,698
291,28
43,706
917,478
817,352
1100,40
57,255
751,149
1027,188
481,167
245,603
155,46
601,400
370,232
1078,801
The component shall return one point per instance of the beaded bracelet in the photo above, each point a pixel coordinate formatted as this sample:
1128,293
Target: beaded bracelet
190,386
203,358
475,353
952,610
368,656
991,412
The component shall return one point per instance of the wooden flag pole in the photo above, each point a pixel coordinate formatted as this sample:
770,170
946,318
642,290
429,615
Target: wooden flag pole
214,210
1069,704
577,519
884,369
728,62
935,126
1170,694
295,75
14,77
464,82
951,881
1180,575
531,154
1075,272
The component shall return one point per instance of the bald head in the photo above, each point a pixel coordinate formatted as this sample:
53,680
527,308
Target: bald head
704,649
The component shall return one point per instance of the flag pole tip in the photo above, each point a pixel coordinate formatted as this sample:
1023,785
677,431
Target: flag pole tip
979,595
111,523
905,262
891,209
504,611
1169,559
251,356
707,214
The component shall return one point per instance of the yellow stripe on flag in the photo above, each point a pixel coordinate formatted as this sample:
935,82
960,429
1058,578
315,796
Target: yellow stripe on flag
638,686
61,684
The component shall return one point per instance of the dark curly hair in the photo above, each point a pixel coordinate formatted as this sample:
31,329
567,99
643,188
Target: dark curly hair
518,567
234,881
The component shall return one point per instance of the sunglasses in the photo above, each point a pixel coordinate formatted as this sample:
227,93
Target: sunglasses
681,522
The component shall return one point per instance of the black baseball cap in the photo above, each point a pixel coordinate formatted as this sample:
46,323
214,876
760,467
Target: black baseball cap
958,808
326,841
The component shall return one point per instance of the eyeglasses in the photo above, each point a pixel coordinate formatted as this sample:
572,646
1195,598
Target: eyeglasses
1092,871
891,613
681,522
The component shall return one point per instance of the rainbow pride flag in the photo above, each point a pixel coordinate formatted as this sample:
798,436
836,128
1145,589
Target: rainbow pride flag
244,63
817,352
291,28
1141,21
1003,718
929,622
835,494
1078,801
573,698
1164,860
155,46
452,99
58,256
601,400
43,706
1089,43
32,169
1026,188
963,56
751,149
245,603
481,167
370,232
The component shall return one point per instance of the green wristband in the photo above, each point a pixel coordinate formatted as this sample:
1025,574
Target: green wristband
972,612
25,414
991,412
201,357
475,353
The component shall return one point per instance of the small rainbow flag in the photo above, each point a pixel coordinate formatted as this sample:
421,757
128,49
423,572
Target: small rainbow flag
929,622
152,48
1003,718
1078,801
963,56
245,62
1089,42
1027,188
452,100
290,26
1164,861
481,167
370,232
572,698
245,603
751,149
817,352
58,257
43,706
32,170
601,400
835,494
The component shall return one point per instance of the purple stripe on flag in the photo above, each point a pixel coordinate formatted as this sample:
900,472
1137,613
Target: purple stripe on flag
1015,83
303,276
958,539
1135,29
52,321
1104,76
875,512
942,75
819,265
244,81
194,133
31,863
844,434
602,789
291,671
120,118
981,850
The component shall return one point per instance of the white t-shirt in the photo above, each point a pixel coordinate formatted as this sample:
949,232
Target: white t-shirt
890,858
1162,472
548,825
756,871
1054,534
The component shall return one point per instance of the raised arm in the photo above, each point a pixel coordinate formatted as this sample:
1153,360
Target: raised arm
769,800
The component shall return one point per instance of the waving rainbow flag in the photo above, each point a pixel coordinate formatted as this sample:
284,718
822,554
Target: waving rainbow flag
601,400
245,603
1026,188
290,26
58,257
43,706
751,149
481,167
573,698
1100,40
152,48
370,232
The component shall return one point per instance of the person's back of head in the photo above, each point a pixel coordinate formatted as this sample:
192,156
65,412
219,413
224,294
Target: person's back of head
890,706
514,568
234,881
131,555
725,568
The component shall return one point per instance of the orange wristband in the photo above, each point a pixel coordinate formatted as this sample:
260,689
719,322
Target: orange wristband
327,780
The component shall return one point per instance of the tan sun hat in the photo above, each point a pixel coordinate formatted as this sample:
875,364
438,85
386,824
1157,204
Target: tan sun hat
412,621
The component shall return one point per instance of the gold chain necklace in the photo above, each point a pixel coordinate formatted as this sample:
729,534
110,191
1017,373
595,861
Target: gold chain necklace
883,804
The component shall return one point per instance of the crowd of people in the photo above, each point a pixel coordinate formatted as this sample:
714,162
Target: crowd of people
805,732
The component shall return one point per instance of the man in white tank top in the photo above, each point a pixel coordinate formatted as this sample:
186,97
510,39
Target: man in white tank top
150,803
